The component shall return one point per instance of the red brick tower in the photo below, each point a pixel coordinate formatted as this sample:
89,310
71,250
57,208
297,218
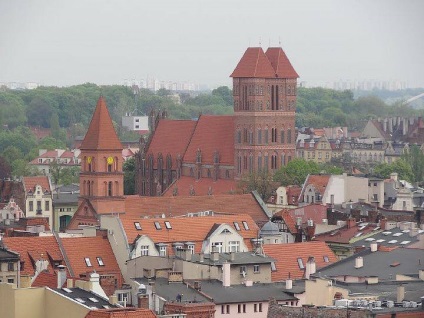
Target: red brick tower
101,177
264,89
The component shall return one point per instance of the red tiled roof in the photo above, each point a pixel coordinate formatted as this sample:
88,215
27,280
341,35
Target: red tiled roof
319,181
254,63
33,248
138,206
33,221
201,186
101,134
343,235
172,136
45,279
280,63
78,248
314,212
31,182
286,256
186,229
121,313
212,133
288,219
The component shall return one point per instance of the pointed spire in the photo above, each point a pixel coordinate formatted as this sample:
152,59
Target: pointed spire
254,63
101,133
280,63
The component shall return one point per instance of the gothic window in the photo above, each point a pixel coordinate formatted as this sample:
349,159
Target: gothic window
259,136
289,90
191,172
250,137
261,90
266,162
289,136
267,104
109,188
274,161
239,164
251,163
273,134
238,136
266,136
259,162
283,163
272,97
260,106
227,174
209,173
282,136
245,135
245,162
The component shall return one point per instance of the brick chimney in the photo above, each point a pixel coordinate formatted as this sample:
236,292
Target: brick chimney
61,276
351,222
226,275
383,223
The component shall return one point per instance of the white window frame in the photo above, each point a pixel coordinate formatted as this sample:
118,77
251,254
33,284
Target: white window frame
234,246
162,250
144,250
217,245
87,261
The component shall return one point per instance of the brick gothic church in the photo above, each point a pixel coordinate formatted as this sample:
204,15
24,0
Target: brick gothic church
207,156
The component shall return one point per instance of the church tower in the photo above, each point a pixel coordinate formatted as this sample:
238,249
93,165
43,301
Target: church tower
264,91
101,177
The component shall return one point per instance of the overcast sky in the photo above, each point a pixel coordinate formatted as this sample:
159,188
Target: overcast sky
56,42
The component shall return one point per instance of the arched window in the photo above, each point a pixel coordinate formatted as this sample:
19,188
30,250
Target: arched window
259,161
109,188
282,136
274,161
259,136
289,140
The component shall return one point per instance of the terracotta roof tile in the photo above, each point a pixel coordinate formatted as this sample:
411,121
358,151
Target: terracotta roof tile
254,63
45,279
343,235
280,63
314,212
201,186
101,133
212,133
286,256
32,249
31,182
121,313
288,219
186,229
172,136
138,206
319,181
78,248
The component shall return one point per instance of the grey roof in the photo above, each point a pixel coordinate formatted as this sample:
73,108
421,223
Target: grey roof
242,293
298,287
85,297
169,291
65,198
6,255
270,228
68,188
239,258
384,237
414,290
378,264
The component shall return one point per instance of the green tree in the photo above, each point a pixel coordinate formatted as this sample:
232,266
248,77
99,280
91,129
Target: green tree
225,93
296,171
163,92
5,169
258,181
400,166
11,153
129,176
20,168
415,158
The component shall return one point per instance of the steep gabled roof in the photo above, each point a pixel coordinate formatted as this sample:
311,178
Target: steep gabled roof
319,182
287,255
280,63
254,63
79,248
171,137
138,206
101,134
121,313
31,182
212,133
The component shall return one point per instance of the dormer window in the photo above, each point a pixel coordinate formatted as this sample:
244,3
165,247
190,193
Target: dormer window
100,261
137,226
157,226
245,225
236,226
300,263
168,225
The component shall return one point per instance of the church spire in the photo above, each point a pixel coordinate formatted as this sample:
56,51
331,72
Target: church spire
101,134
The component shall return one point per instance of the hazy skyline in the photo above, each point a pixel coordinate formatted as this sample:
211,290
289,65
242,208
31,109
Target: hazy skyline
104,42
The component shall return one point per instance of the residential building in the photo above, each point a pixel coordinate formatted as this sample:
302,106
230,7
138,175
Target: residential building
260,135
319,150
139,124
65,203
38,198
9,267
62,157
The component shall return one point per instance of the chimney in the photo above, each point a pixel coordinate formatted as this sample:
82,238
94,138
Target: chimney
385,124
226,275
373,247
201,257
359,262
383,224
400,293
351,222
187,255
289,283
413,232
394,176
232,256
70,283
113,299
94,283
310,267
421,274
215,256
332,200
61,276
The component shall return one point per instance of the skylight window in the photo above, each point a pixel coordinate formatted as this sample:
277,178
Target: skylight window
87,262
100,261
369,239
105,306
137,226
80,300
236,226
246,226
392,242
157,226
325,257
168,225
67,290
380,241
300,263
387,233
397,234
358,234
94,300
405,242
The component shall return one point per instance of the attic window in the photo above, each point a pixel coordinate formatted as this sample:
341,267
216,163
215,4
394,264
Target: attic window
168,225
100,261
67,290
236,226
94,300
325,257
246,226
157,226
80,300
300,263
137,225
88,262
225,231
